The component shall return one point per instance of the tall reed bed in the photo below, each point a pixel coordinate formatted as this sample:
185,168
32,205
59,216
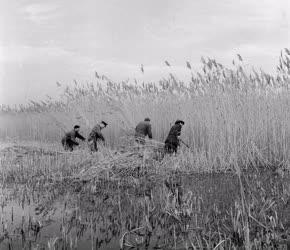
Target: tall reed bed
232,116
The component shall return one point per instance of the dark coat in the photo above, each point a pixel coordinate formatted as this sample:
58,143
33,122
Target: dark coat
172,141
96,134
69,140
143,129
72,135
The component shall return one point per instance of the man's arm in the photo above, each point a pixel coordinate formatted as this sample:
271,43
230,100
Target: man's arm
100,136
71,139
178,130
149,131
80,136
178,133
75,143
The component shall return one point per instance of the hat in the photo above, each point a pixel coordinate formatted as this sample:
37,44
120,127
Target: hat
104,123
147,119
179,121
76,126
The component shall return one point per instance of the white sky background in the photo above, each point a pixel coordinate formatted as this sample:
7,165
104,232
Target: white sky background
42,42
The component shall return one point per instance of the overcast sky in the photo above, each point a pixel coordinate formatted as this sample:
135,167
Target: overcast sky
42,42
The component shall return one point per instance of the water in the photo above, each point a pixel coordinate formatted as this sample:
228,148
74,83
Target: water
148,211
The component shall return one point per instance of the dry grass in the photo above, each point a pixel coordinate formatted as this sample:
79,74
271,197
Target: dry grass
231,117
235,121
137,200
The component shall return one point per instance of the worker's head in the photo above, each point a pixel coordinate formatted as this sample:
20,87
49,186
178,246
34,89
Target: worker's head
103,124
76,128
179,122
147,119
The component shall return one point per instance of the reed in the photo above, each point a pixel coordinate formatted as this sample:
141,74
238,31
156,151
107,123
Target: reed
231,115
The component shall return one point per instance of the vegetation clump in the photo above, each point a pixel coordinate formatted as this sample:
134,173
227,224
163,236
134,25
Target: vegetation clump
229,189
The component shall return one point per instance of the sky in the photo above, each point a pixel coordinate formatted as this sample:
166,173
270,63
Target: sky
44,42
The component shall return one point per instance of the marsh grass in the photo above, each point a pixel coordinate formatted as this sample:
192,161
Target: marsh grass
229,190
161,205
233,116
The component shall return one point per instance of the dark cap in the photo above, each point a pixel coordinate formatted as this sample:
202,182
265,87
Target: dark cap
106,124
147,119
76,126
179,122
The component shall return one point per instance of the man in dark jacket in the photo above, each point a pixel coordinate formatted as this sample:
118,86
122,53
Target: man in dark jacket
142,130
172,141
96,135
69,140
